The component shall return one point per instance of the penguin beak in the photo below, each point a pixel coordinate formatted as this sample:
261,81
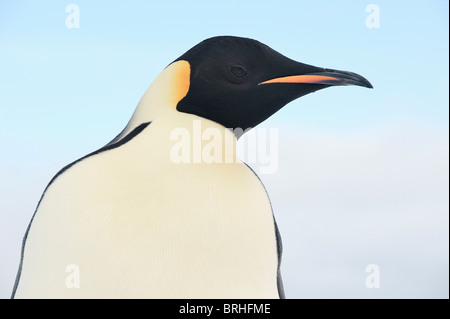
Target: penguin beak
327,77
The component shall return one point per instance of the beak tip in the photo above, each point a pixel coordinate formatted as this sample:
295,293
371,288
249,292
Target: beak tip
369,85
366,83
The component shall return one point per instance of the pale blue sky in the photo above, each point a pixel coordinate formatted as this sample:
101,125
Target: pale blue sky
66,92
108,62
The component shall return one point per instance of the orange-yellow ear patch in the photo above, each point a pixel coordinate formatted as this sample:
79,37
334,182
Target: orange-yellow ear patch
181,74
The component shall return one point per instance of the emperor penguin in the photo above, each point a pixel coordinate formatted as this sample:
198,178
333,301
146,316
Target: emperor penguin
160,213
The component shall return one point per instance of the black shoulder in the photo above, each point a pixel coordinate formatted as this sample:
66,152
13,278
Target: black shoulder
108,147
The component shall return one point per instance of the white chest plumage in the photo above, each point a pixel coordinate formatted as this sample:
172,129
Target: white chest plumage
136,224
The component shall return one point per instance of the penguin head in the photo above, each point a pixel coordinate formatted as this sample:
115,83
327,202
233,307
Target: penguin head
240,82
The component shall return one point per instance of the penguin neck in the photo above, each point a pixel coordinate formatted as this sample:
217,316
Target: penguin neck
158,106
161,98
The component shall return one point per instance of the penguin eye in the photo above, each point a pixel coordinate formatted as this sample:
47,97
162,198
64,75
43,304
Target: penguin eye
237,71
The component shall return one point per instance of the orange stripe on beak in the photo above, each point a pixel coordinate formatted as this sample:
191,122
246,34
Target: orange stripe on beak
302,79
